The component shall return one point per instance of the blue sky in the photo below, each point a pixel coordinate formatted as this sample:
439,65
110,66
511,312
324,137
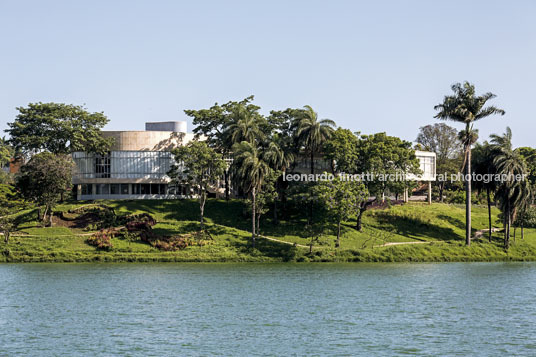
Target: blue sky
370,66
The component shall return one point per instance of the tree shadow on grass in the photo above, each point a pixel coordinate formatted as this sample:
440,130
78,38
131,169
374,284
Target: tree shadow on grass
414,228
268,248
454,221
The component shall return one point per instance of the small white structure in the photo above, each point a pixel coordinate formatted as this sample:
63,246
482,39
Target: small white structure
427,162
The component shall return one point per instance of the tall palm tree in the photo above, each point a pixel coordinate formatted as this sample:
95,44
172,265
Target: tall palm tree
514,195
312,133
280,160
245,128
466,107
251,170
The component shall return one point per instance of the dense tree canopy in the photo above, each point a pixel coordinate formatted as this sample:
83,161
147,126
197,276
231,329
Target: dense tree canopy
57,128
198,166
44,179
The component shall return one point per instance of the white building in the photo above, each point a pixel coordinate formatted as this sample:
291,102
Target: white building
135,168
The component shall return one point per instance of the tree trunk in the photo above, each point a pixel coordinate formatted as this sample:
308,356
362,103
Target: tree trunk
507,218
441,187
508,234
202,201
253,218
312,172
504,225
258,228
39,218
312,162
489,212
359,225
226,178
277,191
44,218
338,243
50,217
468,198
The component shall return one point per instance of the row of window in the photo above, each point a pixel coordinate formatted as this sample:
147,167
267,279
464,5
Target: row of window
123,164
134,189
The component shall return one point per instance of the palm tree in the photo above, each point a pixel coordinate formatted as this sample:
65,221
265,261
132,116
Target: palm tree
245,128
251,170
311,132
279,160
465,107
482,163
514,195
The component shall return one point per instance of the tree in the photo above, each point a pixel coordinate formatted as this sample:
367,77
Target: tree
514,194
7,223
466,107
443,141
382,156
311,132
251,170
213,124
279,160
198,166
6,152
529,155
525,219
58,128
340,198
341,151
44,179
247,126
264,197
483,163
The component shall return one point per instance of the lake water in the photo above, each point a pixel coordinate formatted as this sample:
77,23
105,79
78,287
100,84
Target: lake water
260,309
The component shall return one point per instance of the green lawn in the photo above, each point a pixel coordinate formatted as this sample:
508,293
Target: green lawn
440,226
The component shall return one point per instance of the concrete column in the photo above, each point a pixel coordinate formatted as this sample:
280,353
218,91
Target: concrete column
429,192
406,195
78,191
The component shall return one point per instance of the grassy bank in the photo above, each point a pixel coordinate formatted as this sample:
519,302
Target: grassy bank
435,234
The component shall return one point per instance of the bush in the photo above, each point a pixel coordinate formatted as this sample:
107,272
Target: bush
458,197
102,239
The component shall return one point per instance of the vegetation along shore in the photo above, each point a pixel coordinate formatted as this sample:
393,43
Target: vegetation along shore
233,199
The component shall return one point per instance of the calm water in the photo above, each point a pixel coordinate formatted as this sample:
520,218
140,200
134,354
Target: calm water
252,309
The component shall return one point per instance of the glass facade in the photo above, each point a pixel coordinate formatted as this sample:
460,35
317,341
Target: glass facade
427,165
123,164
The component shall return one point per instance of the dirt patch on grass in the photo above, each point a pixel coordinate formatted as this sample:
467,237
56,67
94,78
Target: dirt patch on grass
75,221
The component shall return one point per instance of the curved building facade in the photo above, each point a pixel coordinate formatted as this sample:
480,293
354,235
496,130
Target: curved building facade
135,168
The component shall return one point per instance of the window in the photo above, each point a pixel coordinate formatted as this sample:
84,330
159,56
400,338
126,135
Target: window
103,189
87,189
114,189
124,188
145,189
102,166
155,189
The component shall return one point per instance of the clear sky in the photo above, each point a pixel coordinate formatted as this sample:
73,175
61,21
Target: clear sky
370,66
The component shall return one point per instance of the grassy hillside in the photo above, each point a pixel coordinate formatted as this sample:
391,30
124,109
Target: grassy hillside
437,230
